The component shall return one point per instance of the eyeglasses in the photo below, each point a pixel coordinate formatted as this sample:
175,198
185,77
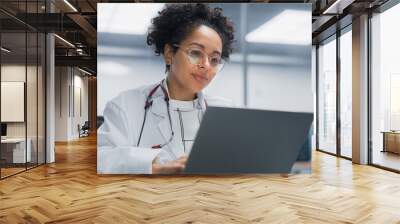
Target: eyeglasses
197,57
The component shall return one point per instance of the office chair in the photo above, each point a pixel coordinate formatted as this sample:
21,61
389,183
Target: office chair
84,130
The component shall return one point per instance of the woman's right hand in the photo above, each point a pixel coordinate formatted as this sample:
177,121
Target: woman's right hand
173,167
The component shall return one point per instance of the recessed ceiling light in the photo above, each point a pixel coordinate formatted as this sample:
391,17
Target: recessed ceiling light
288,27
64,40
5,50
70,5
84,71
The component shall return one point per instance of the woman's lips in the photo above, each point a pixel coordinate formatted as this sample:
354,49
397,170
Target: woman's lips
200,78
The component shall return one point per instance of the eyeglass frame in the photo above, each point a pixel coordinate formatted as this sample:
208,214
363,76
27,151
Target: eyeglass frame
208,58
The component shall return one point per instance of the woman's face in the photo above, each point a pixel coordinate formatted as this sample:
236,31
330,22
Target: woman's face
195,75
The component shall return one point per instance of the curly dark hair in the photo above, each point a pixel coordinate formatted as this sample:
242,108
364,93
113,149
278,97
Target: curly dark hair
176,21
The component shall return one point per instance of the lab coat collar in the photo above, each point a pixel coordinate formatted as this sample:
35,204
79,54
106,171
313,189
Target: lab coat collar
200,96
159,106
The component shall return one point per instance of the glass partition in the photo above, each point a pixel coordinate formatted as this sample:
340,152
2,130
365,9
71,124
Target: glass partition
22,90
13,107
327,95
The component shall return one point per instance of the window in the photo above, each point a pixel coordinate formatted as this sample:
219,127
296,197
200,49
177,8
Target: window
327,95
385,89
346,92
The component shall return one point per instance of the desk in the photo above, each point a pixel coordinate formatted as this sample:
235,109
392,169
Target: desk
16,147
391,141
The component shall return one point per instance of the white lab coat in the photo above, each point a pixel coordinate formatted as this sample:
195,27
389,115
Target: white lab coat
117,151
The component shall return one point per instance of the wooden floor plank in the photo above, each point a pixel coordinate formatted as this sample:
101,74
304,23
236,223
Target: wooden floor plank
70,191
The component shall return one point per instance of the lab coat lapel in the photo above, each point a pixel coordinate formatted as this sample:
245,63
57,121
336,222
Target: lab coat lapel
159,109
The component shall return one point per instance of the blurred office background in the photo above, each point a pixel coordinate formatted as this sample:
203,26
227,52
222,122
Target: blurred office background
270,67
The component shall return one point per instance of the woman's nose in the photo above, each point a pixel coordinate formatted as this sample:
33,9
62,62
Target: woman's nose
205,63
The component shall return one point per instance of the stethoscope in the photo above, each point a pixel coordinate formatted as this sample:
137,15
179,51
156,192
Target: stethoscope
148,104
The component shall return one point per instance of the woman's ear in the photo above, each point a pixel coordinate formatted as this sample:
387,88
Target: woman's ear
168,54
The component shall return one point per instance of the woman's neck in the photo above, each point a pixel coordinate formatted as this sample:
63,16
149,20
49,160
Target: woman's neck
177,91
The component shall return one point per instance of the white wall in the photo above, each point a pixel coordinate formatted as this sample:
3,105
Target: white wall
61,103
68,81
11,73
33,125
79,117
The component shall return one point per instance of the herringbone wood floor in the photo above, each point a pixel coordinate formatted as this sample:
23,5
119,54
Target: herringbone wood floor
70,191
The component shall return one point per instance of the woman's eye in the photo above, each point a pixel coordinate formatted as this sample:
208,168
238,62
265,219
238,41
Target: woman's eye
215,61
195,53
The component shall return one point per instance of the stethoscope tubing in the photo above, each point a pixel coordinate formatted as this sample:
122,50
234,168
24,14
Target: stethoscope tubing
148,104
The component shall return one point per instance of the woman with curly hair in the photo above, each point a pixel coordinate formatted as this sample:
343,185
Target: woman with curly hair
151,129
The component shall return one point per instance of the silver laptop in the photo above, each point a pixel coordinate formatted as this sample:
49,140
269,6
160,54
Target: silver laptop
240,140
